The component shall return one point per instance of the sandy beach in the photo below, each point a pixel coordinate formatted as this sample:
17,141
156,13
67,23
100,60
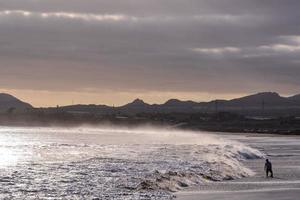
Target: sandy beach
283,151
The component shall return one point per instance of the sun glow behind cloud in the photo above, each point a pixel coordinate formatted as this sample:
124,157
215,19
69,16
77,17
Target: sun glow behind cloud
52,50
205,18
220,50
292,45
67,15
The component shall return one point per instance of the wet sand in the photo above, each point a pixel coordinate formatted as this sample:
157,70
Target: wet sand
283,151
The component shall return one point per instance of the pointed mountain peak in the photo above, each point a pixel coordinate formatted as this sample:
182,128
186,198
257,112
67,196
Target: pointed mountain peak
137,102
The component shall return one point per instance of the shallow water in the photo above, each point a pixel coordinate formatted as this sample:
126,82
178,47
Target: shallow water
284,153
113,163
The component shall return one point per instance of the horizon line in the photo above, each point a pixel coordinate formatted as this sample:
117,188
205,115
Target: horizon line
138,98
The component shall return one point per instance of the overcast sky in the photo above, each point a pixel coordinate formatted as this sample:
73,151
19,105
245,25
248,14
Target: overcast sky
111,51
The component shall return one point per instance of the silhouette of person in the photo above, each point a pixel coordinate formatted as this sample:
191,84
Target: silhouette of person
268,168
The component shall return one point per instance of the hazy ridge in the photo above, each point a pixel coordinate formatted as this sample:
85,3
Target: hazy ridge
266,102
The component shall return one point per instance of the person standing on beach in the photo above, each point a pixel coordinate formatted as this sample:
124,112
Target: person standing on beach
268,168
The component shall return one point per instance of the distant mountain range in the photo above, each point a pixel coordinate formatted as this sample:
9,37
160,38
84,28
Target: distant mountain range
268,102
260,103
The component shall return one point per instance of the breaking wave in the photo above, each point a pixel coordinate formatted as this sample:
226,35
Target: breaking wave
115,163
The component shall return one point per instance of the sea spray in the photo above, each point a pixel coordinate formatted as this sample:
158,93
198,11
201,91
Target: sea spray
118,163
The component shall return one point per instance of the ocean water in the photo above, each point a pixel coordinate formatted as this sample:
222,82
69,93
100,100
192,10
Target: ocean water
114,163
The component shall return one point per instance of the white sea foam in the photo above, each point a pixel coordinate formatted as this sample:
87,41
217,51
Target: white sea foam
119,163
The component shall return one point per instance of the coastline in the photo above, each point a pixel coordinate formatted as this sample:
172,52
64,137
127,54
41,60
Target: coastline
218,122
284,152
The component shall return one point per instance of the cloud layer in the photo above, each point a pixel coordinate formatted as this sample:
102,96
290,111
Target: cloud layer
135,46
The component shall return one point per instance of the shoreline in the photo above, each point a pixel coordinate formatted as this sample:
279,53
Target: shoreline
210,122
285,155
168,126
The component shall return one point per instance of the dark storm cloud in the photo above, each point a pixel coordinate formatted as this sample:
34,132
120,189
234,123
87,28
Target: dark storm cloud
166,45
